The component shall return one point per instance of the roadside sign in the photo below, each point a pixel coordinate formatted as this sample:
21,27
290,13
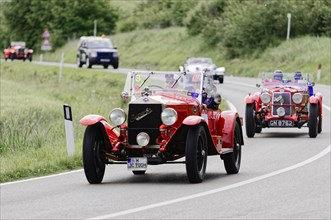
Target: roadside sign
46,45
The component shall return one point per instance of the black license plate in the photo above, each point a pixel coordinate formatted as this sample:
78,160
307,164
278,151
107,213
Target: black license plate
280,123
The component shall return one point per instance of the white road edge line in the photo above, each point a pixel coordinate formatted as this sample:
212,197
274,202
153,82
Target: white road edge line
221,189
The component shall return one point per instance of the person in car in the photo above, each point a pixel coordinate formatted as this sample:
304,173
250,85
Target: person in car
278,75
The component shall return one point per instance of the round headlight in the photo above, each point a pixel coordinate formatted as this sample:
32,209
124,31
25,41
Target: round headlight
142,139
297,98
265,97
117,116
169,116
93,54
281,111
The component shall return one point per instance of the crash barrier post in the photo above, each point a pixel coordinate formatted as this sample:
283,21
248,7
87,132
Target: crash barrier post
319,67
69,129
61,65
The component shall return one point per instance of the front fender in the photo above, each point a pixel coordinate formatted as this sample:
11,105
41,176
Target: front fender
317,99
249,99
193,120
228,128
91,119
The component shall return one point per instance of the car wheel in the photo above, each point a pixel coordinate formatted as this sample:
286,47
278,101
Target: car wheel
313,120
250,120
79,64
12,57
23,59
88,64
105,66
139,172
220,79
319,123
196,154
93,158
115,65
232,160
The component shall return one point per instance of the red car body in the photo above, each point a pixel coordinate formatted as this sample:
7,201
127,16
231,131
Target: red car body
163,124
17,51
286,103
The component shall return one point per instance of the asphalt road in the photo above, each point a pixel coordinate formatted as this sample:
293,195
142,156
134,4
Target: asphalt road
284,175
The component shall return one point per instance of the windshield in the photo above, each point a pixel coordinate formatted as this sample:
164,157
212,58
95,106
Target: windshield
191,84
100,44
296,80
199,60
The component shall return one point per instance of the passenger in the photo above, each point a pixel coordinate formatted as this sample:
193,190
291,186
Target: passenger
278,75
297,75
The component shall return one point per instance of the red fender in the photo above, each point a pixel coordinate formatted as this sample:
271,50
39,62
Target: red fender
228,128
91,119
317,99
193,120
94,119
249,99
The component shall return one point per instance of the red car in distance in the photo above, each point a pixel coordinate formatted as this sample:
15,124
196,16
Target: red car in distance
172,118
18,51
286,100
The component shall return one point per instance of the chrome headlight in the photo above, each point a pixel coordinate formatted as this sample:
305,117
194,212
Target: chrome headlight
115,54
297,98
169,116
142,139
265,98
117,116
280,111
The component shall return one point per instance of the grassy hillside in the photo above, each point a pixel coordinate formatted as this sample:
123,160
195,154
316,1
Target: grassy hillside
166,49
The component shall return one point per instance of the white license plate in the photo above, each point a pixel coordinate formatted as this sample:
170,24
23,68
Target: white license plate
104,60
137,163
280,123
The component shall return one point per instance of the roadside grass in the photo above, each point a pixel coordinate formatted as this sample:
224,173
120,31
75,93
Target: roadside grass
167,49
32,133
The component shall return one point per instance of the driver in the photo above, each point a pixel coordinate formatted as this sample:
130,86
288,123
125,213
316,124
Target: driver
278,75
298,75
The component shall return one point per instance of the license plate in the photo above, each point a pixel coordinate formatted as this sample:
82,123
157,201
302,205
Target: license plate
137,163
280,123
104,60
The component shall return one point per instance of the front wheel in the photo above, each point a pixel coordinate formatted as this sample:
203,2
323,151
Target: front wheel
220,79
115,65
93,158
79,63
139,172
250,120
313,120
232,160
196,152
88,63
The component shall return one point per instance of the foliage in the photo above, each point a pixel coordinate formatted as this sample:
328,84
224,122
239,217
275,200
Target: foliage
26,20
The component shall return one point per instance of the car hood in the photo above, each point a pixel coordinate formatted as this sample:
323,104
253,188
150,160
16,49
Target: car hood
102,50
198,67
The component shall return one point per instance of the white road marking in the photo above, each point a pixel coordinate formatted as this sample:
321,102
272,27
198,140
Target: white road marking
221,189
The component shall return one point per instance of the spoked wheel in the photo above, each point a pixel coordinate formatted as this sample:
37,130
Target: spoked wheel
196,152
319,129
250,121
93,158
313,120
232,160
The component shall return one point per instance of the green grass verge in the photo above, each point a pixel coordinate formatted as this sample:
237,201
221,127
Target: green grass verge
32,133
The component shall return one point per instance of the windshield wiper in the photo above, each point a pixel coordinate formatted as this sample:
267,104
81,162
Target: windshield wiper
149,75
182,74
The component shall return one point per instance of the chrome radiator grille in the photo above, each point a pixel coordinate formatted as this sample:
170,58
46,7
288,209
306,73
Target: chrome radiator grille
281,99
144,118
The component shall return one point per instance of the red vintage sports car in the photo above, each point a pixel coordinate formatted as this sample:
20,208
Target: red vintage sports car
18,51
285,100
172,118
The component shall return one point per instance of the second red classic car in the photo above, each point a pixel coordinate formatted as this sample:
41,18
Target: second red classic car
170,117
18,51
285,100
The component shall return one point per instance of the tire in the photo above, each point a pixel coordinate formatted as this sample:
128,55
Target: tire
196,152
319,129
115,65
139,172
79,64
313,120
232,160
220,79
12,57
30,57
105,66
88,64
250,121
93,159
